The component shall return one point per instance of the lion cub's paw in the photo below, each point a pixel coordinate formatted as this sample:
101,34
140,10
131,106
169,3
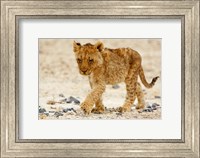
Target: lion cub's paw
140,106
124,109
98,110
86,108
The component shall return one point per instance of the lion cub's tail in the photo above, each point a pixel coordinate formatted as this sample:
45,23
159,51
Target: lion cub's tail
144,81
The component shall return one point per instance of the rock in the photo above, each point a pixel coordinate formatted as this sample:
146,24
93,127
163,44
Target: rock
57,114
154,108
76,101
65,110
42,110
69,109
64,100
72,109
70,113
116,86
149,110
155,105
46,113
68,101
158,97
61,95
149,106
53,107
51,111
119,113
145,110
112,110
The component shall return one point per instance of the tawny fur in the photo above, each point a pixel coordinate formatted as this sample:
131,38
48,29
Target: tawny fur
110,66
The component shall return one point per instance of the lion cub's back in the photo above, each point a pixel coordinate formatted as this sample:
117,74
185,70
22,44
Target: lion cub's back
117,63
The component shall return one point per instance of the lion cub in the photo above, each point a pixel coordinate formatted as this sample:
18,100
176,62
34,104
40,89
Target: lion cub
110,66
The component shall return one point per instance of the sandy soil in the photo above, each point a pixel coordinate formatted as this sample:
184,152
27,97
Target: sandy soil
59,79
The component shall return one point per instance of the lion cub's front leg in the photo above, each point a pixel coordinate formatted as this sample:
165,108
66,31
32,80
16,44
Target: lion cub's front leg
99,107
93,97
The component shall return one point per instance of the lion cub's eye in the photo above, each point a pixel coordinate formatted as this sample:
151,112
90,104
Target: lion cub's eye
79,60
91,61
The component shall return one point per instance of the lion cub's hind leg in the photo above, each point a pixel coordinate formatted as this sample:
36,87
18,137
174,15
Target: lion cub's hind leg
131,96
131,86
140,97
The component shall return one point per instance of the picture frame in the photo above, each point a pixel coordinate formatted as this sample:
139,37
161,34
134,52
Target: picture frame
13,11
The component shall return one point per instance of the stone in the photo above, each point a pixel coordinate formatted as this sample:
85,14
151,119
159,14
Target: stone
155,105
149,106
57,114
65,110
46,113
42,110
158,97
76,101
53,107
61,95
145,110
69,109
116,86
154,108
149,110
118,113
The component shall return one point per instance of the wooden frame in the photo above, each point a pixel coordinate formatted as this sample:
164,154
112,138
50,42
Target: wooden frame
12,11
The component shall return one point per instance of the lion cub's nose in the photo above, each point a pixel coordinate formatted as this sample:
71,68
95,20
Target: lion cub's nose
84,71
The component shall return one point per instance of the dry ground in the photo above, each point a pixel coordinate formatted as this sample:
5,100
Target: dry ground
58,75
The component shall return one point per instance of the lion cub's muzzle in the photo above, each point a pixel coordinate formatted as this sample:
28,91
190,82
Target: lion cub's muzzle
84,72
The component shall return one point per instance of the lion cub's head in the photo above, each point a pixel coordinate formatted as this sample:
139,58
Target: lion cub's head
88,56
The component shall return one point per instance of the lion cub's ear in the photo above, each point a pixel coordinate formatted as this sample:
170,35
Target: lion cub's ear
99,45
76,46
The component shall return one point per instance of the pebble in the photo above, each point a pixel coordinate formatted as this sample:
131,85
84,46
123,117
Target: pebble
112,110
70,113
65,110
42,110
53,107
157,96
155,105
149,106
61,95
51,111
68,101
145,110
46,113
69,109
64,100
154,108
118,113
150,110
57,114
116,86
76,101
